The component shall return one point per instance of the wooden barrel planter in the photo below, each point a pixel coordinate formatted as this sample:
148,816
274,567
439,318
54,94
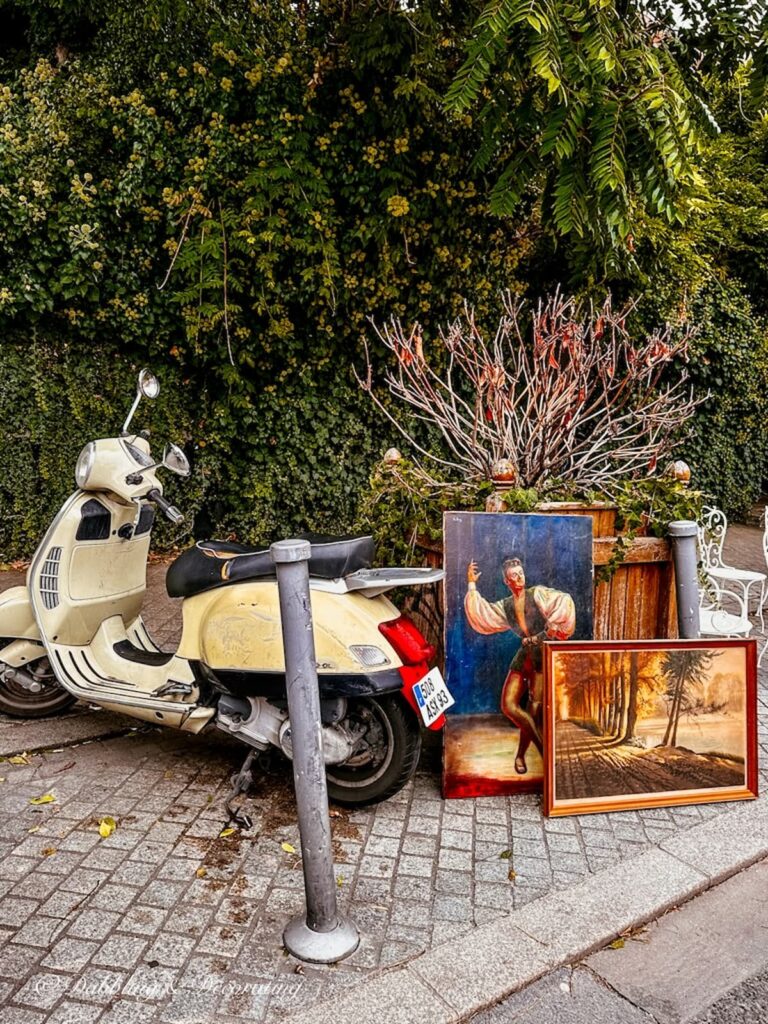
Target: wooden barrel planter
636,602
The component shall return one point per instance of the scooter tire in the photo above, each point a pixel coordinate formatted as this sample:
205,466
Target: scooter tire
359,787
17,702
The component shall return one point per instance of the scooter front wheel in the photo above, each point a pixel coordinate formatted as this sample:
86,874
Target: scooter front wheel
385,756
20,702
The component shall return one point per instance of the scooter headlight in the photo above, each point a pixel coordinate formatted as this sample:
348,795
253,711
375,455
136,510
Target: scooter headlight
84,465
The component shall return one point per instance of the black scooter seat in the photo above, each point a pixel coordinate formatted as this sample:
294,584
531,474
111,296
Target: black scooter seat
216,563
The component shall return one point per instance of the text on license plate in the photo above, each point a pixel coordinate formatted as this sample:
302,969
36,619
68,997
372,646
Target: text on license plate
432,696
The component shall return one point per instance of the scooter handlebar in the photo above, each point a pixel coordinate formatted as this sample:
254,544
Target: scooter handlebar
165,506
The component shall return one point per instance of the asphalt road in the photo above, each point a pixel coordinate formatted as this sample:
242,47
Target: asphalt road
703,963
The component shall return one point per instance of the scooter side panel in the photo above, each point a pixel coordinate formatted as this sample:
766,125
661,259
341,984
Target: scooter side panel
77,584
238,627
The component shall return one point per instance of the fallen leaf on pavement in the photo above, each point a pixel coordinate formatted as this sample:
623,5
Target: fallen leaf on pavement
48,798
227,832
106,826
287,847
505,855
19,759
512,875
35,828
616,944
201,872
48,851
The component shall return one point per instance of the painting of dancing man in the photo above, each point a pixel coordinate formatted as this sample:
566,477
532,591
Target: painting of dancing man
513,582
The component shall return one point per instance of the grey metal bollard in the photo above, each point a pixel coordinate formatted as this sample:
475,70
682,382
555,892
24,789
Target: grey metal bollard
683,536
322,936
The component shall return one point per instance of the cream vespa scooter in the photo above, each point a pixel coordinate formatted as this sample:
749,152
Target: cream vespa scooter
75,630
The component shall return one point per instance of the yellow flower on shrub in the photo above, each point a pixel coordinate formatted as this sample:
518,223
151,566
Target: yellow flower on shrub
398,206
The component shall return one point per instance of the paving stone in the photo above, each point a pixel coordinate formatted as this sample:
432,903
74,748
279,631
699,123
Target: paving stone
98,985
93,924
457,822
455,860
188,919
83,881
205,970
190,1007
40,931
381,846
43,990
69,1012
151,984
222,941
15,911
142,920
120,951
170,950
456,840
421,867
16,867
452,908
80,841
70,954
162,894
16,961
112,897
455,882
17,1015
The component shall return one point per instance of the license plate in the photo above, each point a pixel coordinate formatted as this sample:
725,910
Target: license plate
432,696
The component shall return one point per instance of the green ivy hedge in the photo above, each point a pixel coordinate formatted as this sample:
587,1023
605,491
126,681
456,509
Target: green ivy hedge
231,213
728,446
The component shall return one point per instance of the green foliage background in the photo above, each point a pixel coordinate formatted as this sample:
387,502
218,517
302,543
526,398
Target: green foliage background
227,194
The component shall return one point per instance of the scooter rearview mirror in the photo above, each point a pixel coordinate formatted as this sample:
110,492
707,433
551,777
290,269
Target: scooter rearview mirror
148,386
175,460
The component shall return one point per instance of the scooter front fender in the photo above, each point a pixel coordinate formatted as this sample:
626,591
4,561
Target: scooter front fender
17,619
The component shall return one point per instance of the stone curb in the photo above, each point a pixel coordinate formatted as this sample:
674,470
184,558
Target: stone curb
451,982
33,735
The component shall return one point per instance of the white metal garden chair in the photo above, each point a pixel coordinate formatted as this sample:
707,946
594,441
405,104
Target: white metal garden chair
711,531
717,621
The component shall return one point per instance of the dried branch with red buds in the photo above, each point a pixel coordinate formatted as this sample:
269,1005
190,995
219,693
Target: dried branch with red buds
576,401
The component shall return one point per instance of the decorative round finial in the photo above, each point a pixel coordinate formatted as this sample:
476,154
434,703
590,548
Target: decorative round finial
391,456
504,471
680,471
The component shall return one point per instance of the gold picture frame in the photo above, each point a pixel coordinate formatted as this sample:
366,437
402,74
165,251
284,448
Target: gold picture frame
648,723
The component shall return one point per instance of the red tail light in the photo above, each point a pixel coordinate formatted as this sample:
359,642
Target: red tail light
407,640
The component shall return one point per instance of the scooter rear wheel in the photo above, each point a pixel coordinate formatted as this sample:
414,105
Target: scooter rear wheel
386,758
51,699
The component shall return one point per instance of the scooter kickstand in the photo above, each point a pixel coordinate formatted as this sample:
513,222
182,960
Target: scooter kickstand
241,784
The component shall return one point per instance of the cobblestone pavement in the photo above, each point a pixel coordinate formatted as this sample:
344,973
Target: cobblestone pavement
166,920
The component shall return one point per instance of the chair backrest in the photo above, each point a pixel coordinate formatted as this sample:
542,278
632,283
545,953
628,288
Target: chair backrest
711,531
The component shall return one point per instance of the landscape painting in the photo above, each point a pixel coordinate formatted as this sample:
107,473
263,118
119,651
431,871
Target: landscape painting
649,723
513,582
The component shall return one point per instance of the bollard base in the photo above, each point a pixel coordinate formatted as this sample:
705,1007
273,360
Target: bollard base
320,947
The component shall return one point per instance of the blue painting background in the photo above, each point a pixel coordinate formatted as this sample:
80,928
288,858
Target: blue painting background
556,551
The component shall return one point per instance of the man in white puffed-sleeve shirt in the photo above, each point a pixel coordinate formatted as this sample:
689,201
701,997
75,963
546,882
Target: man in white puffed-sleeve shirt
536,614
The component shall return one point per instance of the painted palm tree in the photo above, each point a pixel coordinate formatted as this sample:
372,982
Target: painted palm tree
683,670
